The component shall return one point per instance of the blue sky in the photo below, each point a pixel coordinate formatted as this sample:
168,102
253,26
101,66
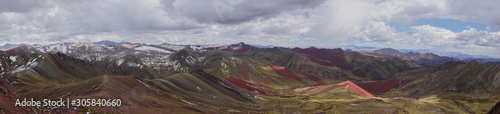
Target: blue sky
450,24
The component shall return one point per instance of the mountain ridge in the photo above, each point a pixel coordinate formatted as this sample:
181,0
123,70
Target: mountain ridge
242,78
457,55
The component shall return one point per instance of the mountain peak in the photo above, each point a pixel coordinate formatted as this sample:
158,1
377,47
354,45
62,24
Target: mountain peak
387,50
241,44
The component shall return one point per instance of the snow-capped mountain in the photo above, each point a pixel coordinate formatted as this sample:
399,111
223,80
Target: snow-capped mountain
130,54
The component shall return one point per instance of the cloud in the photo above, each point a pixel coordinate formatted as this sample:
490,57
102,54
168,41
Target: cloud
72,18
108,16
483,11
276,22
235,11
18,5
479,38
430,35
377,31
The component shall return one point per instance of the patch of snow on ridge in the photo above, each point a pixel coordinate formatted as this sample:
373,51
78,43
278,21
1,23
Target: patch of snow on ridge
58,48
28,65
119,62
13,58
174,47
109,48
143,83
134,64
149,48
198,48
236,48
260,98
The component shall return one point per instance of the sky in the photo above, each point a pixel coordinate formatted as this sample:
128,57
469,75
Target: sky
467,26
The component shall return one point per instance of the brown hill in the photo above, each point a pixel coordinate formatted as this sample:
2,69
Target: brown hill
8,100
495,109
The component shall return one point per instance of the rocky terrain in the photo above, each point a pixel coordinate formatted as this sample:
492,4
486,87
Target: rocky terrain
241,78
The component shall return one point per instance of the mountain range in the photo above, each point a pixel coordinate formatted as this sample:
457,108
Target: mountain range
242,78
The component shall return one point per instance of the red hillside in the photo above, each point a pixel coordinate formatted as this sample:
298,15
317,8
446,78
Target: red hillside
310,76
283,71
380,86
335,57
356,89
314,90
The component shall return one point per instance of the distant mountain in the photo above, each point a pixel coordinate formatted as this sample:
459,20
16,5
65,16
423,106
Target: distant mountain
458,55
358,48
484,60
107,42
387,51
263,46
424,59
10,46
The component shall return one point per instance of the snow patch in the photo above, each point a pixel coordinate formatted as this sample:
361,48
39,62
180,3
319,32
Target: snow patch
119,62
257,97
134,64
14,82
58,48
174,47
28,65
109,48
143,83
13,58
236,48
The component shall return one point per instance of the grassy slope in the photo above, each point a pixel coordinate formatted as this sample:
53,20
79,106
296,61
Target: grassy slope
135,95
472,87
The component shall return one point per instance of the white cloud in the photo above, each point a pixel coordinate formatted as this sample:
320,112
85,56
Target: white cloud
430,35
484,11
235,11
278,22
480,38
377,31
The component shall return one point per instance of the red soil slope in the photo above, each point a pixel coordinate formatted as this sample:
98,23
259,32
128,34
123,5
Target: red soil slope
347,85
8,100
310,76
380,86
244,73
359,72
252,87
283,71
356,89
